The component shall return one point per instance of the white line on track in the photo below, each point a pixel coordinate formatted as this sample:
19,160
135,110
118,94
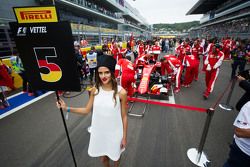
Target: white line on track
14,95
23,105
171,98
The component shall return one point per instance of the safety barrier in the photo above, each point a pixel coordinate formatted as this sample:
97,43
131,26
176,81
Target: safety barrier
196,156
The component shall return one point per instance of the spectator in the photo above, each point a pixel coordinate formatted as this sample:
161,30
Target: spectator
79,59
244,84
239,59
239,155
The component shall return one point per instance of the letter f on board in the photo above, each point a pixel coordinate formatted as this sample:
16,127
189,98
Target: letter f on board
19,30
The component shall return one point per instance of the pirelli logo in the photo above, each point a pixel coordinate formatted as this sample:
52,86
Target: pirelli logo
36,14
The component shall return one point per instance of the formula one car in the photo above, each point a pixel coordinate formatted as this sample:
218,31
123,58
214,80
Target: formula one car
150,83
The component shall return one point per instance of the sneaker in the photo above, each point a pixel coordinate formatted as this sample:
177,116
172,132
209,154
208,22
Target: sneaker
177,90
184,85
205,96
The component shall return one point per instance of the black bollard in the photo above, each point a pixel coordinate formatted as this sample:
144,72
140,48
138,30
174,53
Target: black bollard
227,106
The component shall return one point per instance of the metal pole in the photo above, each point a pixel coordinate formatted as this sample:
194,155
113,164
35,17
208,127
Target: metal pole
227,105
67,133
197,156
231,91
210,113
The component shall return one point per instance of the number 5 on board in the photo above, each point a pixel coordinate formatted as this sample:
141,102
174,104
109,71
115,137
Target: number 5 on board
45,57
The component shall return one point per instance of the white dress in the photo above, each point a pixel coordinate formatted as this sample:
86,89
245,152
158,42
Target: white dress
106,127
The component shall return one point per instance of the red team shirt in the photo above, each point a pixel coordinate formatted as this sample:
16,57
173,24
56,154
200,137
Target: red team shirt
156,49
213,60
190,61
140,49
181,51
126,67
173,62
196,51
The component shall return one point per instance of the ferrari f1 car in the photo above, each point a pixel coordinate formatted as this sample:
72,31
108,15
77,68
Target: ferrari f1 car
150,83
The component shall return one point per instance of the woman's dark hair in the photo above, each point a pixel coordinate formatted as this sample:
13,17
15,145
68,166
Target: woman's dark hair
113,82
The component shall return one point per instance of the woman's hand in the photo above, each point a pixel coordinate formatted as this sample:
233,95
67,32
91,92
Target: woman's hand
123,143
61,104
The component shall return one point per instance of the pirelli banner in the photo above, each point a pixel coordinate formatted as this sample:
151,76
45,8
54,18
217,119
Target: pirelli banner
36,14
46,49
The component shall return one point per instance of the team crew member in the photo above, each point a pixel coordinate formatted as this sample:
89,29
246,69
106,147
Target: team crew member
115,51
127,74
147,47
197,50
226,48
182,49
156,50
132,42
143,59
208,50
140,48
109,123
121,51
191,63
173,66
92,62
239,155
213,62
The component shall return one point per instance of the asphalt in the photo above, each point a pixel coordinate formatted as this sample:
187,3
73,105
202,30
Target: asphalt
35,136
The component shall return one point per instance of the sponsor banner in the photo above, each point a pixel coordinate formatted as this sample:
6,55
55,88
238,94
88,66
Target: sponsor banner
47,53
36,14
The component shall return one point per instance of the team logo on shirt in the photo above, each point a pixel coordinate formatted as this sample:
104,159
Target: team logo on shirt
242,122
